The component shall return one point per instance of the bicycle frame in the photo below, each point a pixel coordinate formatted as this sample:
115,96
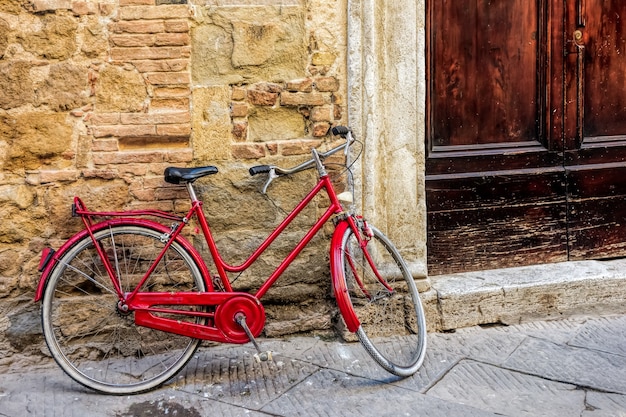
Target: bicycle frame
215,325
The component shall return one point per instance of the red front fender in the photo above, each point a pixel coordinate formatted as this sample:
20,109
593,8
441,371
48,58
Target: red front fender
52,262
339,283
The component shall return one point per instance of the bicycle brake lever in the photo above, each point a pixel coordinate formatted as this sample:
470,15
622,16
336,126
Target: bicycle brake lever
271,176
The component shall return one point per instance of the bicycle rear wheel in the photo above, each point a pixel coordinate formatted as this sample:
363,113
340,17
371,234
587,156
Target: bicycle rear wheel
386,302
94,342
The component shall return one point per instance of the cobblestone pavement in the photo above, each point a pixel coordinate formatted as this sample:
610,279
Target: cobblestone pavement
569,367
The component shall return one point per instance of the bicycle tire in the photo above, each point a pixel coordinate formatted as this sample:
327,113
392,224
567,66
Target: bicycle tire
392,323
93,342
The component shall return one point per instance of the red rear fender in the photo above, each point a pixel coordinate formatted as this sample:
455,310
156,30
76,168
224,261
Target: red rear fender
53,258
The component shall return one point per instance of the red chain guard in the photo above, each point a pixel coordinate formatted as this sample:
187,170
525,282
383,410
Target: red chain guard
222,307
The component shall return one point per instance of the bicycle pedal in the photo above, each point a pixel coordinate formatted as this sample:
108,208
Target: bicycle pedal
263,356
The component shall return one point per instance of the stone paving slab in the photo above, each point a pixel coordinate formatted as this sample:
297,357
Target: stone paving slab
509,393
605,405
332,393
606,335
586,368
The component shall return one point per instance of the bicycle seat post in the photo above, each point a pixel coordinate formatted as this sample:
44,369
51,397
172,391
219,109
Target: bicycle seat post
192,192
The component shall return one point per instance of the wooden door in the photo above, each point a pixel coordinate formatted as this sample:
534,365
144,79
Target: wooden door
525,129
595,131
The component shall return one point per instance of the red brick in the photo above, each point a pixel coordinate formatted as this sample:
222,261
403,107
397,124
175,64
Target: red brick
137,2
50,5
123,130
155,118
327,84
163,65
240,131
82,8
302,99
262,98
161,104
320,129
248,150
104,145
338,112
238,109
269,87
168,52
128,157
105,174
321,114
172,39
98,119
304,85
138,170
238,93
57,176
137,26
175,130
133,40
176,26
272,148
106,9
179,156
154,12
297,147
168,78
143,194
171,92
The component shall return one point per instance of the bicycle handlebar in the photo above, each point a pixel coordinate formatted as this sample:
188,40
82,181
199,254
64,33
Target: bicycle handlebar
342,131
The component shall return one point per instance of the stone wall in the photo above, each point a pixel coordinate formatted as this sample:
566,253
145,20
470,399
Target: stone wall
97,97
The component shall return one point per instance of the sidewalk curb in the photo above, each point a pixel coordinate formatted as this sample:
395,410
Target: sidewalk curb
523,294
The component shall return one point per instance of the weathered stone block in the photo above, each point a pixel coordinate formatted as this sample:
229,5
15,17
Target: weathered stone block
94,38
33,137
118,89
65,87
267,123
16,84
4,36
55,40
253,44
231,49
211,123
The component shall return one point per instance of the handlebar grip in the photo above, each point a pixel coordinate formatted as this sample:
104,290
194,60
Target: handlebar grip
340,130
260,169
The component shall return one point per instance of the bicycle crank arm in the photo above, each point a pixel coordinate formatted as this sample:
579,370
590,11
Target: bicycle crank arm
215,317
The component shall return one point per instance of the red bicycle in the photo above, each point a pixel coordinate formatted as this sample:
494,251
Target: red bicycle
127,300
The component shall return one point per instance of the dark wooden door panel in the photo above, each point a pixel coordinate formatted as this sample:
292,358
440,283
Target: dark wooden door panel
490,222
595,155
496,237
597,211
485,74
604,39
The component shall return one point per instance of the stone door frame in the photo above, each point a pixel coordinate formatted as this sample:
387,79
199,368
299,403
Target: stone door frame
386,107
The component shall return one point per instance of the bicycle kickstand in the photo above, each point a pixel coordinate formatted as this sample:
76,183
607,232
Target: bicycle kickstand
260,356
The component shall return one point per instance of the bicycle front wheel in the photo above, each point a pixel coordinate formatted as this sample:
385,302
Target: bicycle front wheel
385,300
91,339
